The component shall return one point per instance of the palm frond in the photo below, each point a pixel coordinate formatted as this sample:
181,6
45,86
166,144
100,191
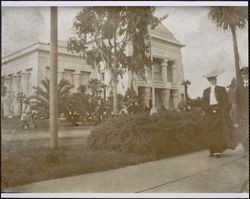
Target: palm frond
226,17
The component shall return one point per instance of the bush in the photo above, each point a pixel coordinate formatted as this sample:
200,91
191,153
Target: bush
164,134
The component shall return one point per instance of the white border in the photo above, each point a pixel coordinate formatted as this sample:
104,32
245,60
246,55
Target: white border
123,3
127,195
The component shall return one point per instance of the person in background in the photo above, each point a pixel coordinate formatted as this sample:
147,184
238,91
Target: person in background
26,115
242,101
217,123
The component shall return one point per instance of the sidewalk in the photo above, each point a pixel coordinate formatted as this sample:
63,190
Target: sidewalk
63,132
194,172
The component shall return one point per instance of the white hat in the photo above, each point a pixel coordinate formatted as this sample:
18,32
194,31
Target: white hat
214,73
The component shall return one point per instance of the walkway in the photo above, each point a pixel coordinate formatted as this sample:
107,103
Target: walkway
194,172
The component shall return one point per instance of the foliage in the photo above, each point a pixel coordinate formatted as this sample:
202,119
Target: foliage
103,33
232,18
161,135
95,86
42,98
195,102
228,17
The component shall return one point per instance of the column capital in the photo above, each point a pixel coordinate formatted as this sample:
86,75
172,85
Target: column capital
6,77
174,66
76,73
15,76
165,63
25,72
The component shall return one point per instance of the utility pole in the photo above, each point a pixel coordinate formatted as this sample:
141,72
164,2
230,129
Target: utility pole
53,79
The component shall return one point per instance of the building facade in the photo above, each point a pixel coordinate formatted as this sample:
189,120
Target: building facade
24,69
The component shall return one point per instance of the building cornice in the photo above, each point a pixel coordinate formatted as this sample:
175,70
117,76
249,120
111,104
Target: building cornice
40,46
43,46
168,40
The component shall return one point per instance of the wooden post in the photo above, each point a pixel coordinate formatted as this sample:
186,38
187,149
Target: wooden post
53,79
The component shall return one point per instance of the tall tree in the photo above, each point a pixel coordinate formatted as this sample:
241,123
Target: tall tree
232,18
102,37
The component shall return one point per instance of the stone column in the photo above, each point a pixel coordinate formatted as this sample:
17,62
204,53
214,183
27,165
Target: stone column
76,80
6,98
174,71
165,94
176,99
16,91
60,75
148,96
11,97
164,70
25,83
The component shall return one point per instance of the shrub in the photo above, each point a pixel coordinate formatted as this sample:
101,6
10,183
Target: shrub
163,134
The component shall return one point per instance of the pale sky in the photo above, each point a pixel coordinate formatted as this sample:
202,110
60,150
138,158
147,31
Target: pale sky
206,45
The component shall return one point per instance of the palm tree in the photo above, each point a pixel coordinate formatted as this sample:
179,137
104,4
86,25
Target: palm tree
186,83
42,96
232,18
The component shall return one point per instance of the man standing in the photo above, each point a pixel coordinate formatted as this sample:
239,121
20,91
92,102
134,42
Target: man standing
217,124
243,108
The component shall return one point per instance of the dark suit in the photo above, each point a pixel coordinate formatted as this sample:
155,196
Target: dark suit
242,101
217,122
221,97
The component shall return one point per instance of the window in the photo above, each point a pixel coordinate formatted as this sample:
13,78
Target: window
68,75
157,70
170,71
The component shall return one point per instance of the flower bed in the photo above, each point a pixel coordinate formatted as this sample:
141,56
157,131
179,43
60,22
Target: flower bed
161,135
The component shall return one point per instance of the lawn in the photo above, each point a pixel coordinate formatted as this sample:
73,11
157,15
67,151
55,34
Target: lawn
16,123
116,143
25,162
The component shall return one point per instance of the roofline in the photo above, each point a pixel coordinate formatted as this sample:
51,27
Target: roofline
13,53
169,41
35,46
26,50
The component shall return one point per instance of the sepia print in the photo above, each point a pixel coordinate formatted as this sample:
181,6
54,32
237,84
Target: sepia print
124,99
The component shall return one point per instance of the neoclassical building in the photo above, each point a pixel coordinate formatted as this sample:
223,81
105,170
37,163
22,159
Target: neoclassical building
24,69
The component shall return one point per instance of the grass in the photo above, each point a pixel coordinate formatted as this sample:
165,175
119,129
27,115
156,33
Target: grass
26,162
16,123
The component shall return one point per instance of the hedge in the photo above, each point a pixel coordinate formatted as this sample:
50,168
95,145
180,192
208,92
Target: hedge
164,134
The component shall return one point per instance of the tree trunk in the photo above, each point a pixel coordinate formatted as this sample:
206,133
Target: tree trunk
114,89
236,55
53,100
186,96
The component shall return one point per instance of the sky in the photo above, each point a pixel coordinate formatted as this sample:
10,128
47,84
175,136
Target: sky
206,46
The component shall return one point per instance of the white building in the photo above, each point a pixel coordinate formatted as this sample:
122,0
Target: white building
24,69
